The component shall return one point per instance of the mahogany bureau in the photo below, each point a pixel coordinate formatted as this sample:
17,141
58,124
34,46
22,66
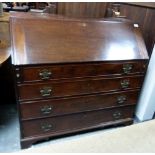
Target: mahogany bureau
74,75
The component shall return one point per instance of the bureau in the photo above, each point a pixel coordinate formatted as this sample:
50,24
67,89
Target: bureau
74,75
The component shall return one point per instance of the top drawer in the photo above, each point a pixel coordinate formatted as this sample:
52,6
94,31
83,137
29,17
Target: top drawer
43,73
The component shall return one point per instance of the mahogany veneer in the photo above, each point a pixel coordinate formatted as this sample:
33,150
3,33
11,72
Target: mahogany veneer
74,75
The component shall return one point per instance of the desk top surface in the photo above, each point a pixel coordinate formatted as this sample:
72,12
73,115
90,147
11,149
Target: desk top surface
44,39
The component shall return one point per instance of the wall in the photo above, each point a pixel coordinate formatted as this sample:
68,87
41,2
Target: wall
82,9
146,107
144,15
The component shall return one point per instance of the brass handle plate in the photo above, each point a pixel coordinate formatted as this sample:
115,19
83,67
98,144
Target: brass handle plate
127,68
46,127
125,84
117,115
121,99
45,74
47,109
46,91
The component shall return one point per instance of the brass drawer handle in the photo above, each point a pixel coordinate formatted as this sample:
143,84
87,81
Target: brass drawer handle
125,84
45,74
46,91
47,109
117,115
127,68
46,127
121,99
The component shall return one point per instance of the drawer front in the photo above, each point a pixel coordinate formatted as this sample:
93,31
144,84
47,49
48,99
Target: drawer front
70,123
55,107
44,73
77,87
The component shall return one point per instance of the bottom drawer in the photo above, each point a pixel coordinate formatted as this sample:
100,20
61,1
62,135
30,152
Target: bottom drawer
70,123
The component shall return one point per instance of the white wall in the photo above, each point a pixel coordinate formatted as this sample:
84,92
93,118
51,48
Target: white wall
146,104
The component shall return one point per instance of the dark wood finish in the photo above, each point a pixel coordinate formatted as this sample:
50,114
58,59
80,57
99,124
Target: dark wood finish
73,122
31,74
78,43
34,109
75,71
28,141
142,14
83,9
142,4
77,87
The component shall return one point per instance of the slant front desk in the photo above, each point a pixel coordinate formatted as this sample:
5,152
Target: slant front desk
74,74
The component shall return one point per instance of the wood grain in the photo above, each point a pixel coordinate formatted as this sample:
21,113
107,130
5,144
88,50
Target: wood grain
142,14
32,109
72,40
60,72
77,87
82,9
71,123
86,58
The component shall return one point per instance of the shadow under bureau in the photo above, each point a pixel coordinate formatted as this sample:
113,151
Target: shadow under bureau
74,75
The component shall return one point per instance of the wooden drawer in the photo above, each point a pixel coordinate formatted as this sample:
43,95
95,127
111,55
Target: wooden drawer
70,123
44,73
55,107
77,87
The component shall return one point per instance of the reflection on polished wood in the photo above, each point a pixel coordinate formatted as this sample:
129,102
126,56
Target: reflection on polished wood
140,13
73,40
74,74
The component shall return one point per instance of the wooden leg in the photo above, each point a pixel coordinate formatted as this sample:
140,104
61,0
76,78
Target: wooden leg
26,143
128,123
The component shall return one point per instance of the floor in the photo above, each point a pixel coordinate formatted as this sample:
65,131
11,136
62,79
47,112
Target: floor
9,131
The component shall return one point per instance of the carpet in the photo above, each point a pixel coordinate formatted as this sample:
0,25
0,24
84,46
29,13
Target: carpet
137,138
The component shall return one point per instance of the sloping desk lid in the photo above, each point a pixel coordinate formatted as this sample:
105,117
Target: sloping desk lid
43,39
